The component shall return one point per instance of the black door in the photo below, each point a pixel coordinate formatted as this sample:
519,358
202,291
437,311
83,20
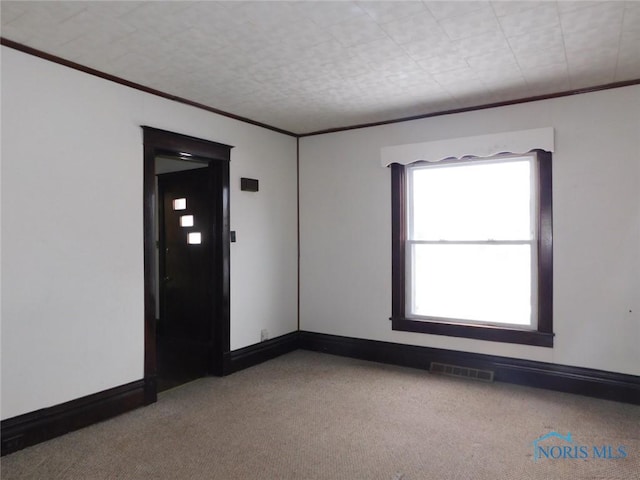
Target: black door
184,330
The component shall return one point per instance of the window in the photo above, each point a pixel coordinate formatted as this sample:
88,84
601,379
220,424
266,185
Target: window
472,248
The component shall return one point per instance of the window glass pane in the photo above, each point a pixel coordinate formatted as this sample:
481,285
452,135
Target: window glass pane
180,204
471,201
186,221
194,238
486,283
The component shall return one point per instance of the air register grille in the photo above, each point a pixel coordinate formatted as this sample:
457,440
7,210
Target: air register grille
457,371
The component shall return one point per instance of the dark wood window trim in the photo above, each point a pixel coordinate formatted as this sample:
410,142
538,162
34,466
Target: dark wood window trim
543,336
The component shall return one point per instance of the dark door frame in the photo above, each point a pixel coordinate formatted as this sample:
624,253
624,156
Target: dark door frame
161,142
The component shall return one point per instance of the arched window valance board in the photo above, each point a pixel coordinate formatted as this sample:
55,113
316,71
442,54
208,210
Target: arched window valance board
517,142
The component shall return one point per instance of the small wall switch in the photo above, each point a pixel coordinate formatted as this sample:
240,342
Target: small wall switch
232,236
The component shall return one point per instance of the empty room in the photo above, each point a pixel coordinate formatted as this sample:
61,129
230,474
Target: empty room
392,240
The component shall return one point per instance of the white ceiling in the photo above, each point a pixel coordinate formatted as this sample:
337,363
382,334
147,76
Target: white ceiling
308,66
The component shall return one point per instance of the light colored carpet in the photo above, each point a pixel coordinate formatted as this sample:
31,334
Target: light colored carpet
308,415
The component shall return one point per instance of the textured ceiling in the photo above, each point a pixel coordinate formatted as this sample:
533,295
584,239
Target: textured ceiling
308,66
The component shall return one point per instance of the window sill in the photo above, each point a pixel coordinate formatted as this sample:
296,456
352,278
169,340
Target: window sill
478,332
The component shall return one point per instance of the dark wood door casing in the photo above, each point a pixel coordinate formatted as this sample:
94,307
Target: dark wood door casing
217,155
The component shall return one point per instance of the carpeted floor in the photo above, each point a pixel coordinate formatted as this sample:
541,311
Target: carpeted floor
308,415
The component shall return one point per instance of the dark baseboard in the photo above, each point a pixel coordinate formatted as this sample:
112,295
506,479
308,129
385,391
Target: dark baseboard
260,352
583,381
35,427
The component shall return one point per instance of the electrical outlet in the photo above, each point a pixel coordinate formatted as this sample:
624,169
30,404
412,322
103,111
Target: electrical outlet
264,335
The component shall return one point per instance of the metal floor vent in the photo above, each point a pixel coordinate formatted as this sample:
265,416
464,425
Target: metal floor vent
456,371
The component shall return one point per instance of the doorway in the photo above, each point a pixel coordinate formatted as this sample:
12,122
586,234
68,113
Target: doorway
186,224
185,310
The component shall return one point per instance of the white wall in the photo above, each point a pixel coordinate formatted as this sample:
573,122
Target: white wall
72,237
346,228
